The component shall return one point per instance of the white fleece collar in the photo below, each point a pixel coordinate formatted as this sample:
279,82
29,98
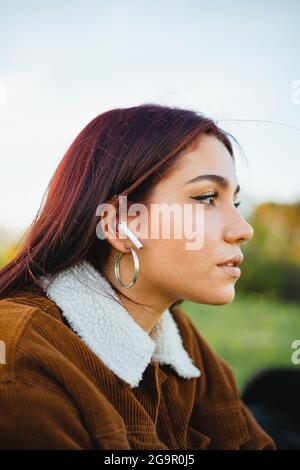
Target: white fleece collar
109,329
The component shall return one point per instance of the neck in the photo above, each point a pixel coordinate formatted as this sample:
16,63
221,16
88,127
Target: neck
136,299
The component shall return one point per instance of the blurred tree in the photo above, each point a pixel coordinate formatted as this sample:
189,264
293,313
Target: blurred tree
272,258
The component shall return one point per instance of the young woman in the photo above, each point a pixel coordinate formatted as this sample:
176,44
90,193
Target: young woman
98,352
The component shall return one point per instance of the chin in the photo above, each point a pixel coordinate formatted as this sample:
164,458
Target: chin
217,297
224,297
211,292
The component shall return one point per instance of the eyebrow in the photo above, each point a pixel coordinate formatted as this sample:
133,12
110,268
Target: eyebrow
218,179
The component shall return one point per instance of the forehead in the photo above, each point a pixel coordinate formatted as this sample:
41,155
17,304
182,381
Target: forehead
208,155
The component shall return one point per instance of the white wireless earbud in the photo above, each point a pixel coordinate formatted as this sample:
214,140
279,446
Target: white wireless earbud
123,228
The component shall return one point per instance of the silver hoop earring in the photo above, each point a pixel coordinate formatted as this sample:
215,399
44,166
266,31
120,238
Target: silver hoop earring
136,268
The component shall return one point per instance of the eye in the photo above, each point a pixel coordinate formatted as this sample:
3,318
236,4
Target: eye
207,197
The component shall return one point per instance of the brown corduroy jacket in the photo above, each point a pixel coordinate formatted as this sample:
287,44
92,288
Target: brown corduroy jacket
56,393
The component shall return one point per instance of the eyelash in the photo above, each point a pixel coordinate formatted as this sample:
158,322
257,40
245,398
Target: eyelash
214,196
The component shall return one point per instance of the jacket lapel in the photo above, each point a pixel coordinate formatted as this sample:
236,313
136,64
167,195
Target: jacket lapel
95,312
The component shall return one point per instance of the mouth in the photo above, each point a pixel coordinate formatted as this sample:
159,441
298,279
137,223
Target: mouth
233,271
231,266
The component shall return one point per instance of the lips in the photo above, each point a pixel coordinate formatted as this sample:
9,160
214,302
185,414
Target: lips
233,271
235,261
231,265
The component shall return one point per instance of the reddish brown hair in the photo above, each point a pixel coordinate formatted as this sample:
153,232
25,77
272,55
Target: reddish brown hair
120,152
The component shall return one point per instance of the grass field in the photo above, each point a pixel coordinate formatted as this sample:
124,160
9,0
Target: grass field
251,333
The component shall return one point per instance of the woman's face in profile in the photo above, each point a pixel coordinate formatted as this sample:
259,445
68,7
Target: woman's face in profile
166,263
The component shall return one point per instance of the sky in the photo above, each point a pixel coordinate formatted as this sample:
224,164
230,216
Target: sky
64,62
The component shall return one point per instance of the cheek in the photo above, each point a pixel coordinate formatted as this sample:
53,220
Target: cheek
169,266
203,253
184,256
169,261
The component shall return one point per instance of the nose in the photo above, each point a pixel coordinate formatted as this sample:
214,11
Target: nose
238,231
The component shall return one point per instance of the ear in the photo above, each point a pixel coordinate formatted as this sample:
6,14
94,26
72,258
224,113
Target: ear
108,226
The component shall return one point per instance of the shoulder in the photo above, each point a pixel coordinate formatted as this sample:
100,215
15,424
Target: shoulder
31,330
43,384
20,306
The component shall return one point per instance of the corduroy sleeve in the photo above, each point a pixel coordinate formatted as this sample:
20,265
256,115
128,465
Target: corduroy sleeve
34,417
259,439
